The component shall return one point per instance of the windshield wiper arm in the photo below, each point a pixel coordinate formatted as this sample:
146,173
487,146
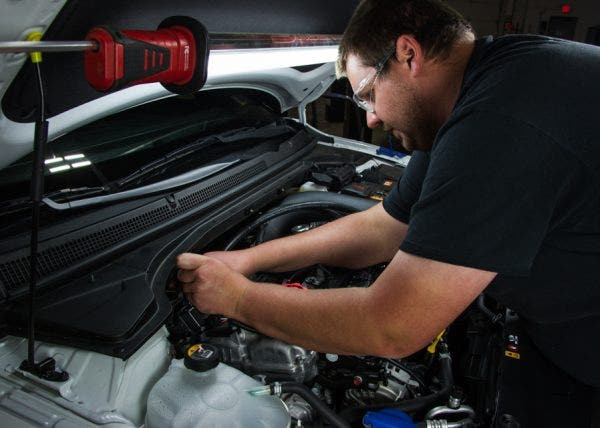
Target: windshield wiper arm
162,162
15,205
180,180
77,192
20,204
56,200
268,131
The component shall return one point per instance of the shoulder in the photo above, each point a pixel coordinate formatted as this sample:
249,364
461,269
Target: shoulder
530,75
531,92
535,53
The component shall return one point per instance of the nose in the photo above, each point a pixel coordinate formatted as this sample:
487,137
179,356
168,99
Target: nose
373,121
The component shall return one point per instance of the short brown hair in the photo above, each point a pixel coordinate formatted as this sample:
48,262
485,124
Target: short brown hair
376,24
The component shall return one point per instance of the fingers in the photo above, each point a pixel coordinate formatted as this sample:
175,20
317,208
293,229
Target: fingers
190,261
188,288
189,264
186,275
208,283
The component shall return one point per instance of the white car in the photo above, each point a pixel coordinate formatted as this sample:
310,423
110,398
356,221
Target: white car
134,177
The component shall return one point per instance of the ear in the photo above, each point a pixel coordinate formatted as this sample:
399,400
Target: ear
409,53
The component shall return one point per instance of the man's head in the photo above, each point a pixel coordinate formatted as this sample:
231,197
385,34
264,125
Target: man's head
403,49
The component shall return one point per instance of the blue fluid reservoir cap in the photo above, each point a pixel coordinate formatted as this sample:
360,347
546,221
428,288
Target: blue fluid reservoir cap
388,418
389,152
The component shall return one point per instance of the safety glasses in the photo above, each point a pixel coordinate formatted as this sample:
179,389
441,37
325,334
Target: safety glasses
363,96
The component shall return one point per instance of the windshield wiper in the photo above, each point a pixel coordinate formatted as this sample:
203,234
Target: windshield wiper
69,198
268,131
20,204
78,192
15,205
161,186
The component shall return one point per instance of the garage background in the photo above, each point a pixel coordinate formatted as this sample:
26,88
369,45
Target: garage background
577,20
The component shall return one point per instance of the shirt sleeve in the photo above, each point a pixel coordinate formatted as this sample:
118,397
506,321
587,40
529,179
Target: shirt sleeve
407,190
488,196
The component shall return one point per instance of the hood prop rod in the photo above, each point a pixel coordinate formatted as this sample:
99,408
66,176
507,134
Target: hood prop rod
45,369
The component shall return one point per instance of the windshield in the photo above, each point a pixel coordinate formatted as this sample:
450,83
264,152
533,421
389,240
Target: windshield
150,149
104,155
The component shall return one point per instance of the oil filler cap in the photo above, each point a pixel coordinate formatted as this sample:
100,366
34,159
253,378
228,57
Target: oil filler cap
201,357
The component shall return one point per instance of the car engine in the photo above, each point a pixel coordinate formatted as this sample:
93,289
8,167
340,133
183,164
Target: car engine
343,390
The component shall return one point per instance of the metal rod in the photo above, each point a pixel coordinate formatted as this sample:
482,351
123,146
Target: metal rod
218,41
16,47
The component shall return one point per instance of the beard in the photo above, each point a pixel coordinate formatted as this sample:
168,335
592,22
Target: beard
419,128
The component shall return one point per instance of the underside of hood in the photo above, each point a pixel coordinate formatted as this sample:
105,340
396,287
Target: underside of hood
71,102
63,72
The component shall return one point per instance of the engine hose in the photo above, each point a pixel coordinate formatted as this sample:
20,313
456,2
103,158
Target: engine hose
494,318
421,403
282,210
346,202
302,390
416,404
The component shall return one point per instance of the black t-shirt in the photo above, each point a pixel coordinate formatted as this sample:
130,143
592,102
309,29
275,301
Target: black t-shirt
512,185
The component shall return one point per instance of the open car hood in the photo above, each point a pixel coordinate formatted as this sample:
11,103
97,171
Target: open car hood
156,165
293,74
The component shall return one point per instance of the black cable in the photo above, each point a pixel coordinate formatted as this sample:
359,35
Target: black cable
37,192
46,369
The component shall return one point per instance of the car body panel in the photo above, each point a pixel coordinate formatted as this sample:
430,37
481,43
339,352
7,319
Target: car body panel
101,390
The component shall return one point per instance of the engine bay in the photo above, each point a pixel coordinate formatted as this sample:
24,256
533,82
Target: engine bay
447,384
452,382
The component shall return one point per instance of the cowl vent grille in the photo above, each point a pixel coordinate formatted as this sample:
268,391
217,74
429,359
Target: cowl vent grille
14,274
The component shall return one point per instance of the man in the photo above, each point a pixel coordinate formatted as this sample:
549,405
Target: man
502,194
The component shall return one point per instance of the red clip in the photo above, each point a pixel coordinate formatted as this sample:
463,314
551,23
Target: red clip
294,285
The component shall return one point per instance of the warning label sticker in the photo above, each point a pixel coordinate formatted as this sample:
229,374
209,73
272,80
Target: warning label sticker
514,355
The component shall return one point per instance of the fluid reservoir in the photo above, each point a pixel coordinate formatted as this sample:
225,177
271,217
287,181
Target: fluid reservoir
199,391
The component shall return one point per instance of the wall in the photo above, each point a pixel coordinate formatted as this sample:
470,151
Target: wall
489,16
483,14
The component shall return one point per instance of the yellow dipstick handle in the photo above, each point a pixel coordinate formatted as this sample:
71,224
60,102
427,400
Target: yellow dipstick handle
36,36
431,348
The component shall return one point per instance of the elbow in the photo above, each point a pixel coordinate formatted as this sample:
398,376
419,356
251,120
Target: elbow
388,335
393,352
394,340
394,345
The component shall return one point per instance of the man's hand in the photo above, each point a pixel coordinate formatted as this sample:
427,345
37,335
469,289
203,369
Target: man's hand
211,285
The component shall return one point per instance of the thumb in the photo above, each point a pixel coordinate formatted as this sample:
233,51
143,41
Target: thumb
190,261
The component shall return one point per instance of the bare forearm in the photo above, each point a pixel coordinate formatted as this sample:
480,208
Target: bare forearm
333,321
407,306
354,241
409,303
